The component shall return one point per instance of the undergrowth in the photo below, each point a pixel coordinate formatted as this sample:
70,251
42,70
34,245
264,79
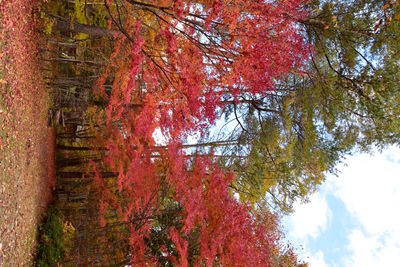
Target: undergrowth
55,238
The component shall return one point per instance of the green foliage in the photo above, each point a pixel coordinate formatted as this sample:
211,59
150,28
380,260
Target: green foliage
47,23
355,71
55,236
80,17
288,152
347,100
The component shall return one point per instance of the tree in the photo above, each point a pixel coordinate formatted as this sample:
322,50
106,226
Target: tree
185,61
195,54
179,211
302,91
341,101
291,137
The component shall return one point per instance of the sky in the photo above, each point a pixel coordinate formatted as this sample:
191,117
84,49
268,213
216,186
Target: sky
354,219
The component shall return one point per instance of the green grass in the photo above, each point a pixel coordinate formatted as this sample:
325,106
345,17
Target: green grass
55,236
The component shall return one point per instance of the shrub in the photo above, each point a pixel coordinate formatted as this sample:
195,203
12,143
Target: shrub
55,235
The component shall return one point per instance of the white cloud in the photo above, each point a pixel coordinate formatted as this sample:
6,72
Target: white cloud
372,250
307,222
316,260
370,189
309,219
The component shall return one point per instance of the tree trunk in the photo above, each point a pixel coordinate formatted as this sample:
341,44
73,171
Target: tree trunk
64,25
77,148
77,174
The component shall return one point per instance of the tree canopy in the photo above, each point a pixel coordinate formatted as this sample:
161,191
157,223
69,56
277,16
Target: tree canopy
301,84
346,99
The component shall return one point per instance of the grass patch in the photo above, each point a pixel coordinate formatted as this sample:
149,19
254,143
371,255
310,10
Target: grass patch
55,238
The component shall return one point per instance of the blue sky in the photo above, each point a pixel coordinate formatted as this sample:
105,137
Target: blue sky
354,219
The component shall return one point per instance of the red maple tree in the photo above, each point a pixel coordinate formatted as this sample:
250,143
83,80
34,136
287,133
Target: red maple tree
186,58
174,64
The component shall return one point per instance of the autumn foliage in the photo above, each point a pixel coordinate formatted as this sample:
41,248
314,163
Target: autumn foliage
174,65
182,213
183,59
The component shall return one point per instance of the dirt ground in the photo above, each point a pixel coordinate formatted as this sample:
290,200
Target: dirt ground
26,143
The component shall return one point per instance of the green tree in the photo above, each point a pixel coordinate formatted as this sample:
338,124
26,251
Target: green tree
347,100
